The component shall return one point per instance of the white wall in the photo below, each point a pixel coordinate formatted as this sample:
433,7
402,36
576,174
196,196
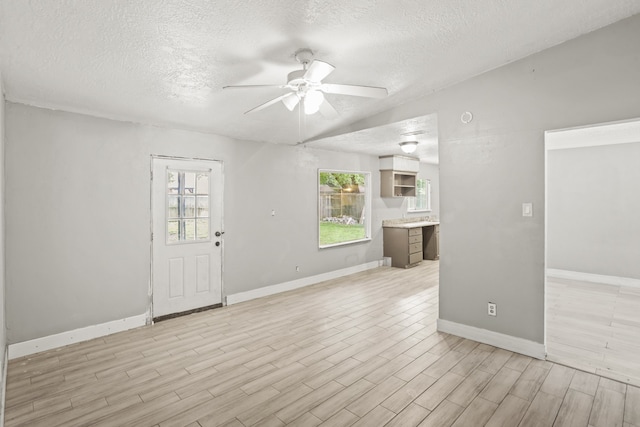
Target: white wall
489,167
593,200
77,190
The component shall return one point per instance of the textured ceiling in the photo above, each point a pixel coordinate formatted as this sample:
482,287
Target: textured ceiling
165,61
385,140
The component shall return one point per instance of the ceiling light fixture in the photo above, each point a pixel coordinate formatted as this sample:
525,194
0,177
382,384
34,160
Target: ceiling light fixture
312,101
409,146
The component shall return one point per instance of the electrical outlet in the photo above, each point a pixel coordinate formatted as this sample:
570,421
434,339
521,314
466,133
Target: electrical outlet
273,212
297,268
527,209
492,309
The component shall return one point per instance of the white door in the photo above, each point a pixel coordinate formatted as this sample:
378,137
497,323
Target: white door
186,242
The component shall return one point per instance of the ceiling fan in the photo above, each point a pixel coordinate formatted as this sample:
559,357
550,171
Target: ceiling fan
306,88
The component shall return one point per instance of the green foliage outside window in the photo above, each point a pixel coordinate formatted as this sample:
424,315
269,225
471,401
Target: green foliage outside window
339,180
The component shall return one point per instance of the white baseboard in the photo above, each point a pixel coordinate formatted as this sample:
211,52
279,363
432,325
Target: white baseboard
593,278
299,283
496,339
77,335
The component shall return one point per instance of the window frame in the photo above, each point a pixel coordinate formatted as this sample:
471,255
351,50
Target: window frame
412,202
367,207
181,196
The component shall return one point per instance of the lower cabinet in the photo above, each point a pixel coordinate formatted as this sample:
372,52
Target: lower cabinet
431,242
403,245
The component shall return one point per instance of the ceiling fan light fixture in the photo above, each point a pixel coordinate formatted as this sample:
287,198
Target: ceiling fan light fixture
312,101
291,101
409,146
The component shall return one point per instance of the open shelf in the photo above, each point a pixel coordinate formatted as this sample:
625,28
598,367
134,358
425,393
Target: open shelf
397,184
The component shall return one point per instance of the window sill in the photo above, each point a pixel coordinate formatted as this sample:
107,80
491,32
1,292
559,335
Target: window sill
418,210
350,242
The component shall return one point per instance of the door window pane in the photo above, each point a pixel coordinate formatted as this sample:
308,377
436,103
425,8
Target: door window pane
174,207
173,231
189,207
202,229
173,186
203,207
202,183
183,206
189,182
190,229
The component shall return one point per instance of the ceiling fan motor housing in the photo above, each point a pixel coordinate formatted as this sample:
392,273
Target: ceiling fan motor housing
297,82
295,79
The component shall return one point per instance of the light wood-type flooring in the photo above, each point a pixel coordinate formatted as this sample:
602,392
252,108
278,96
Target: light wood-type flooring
594,327
361,350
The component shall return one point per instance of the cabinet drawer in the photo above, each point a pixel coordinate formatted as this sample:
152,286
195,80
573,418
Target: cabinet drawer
415,239
414,258
416,247
415,231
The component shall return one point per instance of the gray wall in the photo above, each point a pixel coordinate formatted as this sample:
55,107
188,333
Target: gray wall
3,330
77,206
593,200
490,166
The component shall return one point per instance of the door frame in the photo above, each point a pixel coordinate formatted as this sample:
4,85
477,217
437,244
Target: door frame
150,289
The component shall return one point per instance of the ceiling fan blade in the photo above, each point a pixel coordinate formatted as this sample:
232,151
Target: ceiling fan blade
354,90
291,100
254,86
268,103
318,70
327,111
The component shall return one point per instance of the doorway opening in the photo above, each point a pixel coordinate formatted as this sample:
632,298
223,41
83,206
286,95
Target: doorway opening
592,307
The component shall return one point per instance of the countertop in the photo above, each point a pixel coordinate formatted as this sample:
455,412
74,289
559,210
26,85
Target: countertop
413,224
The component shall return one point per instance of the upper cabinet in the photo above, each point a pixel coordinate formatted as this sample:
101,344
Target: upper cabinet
398,176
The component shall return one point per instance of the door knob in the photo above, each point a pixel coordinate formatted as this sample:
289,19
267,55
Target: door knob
217,243
218,234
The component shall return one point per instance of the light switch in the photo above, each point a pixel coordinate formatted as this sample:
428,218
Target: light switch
527,209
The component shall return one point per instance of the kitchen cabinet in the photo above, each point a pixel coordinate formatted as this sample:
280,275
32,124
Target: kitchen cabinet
403,245
398,176
397,184
431,242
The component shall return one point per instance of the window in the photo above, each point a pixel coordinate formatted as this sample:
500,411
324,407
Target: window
422,201
344,207
187,206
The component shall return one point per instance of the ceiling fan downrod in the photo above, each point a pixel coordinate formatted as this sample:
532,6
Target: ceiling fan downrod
304,56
